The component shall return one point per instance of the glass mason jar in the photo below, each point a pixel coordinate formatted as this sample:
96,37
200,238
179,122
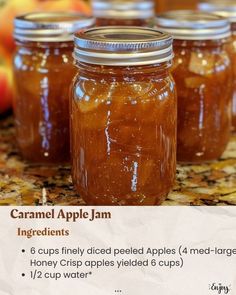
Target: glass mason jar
123,122
123,13
232,53
227,9
203,77
43,70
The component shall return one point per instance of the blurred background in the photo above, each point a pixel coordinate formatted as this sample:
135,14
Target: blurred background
162,5
10,8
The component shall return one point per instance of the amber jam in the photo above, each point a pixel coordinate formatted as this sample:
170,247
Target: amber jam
123,122
227,9
203,77
43,70
233,59
123,12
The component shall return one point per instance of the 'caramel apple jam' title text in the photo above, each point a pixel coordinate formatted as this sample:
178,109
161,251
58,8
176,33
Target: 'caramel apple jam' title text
68,216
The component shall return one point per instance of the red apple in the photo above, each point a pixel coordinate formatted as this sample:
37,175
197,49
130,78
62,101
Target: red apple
12,8
8,11
6,91
64,5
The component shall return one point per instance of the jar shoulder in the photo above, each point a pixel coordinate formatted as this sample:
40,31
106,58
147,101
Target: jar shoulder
128,89
27,59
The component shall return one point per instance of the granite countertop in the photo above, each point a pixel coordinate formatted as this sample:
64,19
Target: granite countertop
24,184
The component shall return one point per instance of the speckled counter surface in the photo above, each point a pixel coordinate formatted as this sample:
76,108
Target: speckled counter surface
24,184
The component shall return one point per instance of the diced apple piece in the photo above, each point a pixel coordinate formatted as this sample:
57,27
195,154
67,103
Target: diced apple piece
89,106
90,96
202,64
194,82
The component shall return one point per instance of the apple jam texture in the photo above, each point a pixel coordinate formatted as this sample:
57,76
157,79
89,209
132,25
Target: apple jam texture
226,9
43,71
41,104
232,52
234,82
202,73
123,133
123,124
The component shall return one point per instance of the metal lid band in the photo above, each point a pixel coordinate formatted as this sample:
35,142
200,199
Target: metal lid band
123,46
50,26
120,9
226,9
193,25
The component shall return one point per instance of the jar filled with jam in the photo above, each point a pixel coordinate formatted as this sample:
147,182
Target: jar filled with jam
123,12
123,122
203,76
43,71
227,9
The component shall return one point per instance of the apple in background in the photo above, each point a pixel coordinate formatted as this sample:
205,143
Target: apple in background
8,10
6,89
11,8
64,5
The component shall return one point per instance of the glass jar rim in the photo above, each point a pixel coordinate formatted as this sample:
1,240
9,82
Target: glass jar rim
120,9
50,26
209,5
229,13
193,25
123,46
225,9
